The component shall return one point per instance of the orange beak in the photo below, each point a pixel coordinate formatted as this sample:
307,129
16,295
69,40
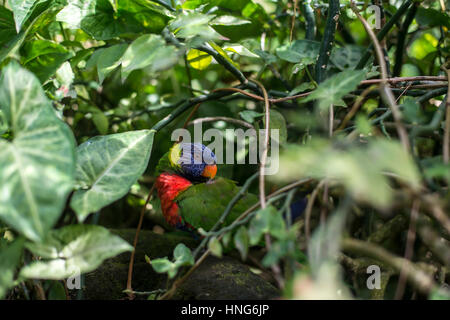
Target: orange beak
210,171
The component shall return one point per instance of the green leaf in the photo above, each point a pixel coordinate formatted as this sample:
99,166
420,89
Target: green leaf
277,122
162,265
299,51
215,247
9,259
412,111
250,116
148,51
346,57
21,9
241,241
73,250
331,91
228,21
432,18
194,24
109,59
182,257
57,291
107,167
198,59
266,220
12,44
43,57
7,25
37,166
100,120
240,50
102,21
321,160
65,75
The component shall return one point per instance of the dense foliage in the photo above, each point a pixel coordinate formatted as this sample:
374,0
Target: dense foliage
91,91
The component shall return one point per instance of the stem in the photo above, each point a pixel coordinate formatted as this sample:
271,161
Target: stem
327,40
402,37
384,31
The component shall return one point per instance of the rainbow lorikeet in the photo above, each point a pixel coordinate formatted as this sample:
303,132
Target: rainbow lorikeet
191,195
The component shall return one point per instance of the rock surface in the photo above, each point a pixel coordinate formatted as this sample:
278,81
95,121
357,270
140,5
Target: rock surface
216,278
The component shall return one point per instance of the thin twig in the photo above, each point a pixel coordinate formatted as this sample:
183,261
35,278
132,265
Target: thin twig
308,210
418,278
385,89
446,142
411,237
136,237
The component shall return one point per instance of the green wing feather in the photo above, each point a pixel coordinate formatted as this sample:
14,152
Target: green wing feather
203,204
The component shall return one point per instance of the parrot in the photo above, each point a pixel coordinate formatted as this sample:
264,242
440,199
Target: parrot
191,194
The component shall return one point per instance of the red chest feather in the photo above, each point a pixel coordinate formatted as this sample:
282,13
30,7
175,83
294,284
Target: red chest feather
169,186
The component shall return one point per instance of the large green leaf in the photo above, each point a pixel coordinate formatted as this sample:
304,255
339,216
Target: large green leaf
73,250
44,57
9,259
21,9
37,166
13,43
148,51
107,167
102,21
109,59
332,90
7,26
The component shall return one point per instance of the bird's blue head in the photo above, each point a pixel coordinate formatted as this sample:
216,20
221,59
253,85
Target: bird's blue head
194,161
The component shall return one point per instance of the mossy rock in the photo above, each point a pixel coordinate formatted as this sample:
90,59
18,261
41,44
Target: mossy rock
110,279
225,279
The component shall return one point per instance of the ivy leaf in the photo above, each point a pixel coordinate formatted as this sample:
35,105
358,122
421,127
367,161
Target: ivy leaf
299,51
332,90
346,57
107,167
73,250
37,166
